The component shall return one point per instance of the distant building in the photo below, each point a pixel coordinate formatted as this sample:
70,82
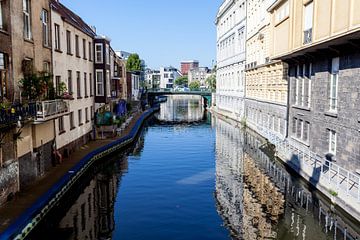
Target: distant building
199,74
123,54
152,78
186,66
168,76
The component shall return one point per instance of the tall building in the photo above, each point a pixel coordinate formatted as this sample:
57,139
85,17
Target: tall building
168,76
231,43
320,42
266,80
73,66
186,66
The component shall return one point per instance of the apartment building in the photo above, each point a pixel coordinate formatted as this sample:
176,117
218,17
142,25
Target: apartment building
168,75
319,40
6,85
199,74
73,66
152,78
266,80
231,43
186,66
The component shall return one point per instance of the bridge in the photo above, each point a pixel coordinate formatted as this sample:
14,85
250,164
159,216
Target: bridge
152,93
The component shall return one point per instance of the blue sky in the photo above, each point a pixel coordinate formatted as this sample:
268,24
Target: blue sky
163,32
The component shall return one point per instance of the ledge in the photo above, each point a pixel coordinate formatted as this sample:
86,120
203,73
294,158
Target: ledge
331,114
301,108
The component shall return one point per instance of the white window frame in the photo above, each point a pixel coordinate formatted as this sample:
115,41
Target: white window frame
101,60
45,25
332,141
99,83
27,19
334,82
107,54
282,12
308,16
1,16
57,37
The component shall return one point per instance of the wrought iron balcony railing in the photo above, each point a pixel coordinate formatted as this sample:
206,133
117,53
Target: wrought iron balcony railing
47,110
308,36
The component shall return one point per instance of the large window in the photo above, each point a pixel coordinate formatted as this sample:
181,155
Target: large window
27,19
57,83
99,53
68,42
78,84
308,22
85,85
45,27
91,85
61,125
70,83
332,142
1,17
334,81
84,48
57,37
77,50
3,76
107,54
300,130
99,83
80,119
282,12
72,123
90,51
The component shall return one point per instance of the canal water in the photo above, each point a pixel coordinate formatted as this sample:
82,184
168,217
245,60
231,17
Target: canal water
192,175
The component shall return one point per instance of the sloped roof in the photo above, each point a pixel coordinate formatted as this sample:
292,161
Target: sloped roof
72,18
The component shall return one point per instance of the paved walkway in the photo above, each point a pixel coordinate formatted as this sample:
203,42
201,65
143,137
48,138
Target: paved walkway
26,198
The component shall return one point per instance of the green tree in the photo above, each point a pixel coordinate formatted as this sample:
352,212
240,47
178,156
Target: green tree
194,85
133,63
182,81
211,82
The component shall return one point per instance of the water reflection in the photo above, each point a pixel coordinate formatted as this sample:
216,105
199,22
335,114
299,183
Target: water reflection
182,108
259,199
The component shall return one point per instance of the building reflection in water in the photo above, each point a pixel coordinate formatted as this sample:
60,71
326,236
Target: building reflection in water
182,108
258,199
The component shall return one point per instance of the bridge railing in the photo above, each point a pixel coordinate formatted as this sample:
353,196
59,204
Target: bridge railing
179,91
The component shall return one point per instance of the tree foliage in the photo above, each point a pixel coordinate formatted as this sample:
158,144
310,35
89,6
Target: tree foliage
36,86
182,81
133,63
194,85
211,82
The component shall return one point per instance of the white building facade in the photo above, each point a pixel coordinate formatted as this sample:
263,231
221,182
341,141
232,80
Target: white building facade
199,74
168,76
73,65
231,45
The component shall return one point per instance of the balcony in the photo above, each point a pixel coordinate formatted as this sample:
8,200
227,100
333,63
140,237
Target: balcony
14,113
48,110
308,36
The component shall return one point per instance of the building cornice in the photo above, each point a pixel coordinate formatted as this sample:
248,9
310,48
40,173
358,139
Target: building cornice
223,9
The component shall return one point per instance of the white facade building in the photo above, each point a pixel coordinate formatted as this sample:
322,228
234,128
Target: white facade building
199,74
73,65
152,78
231,42
168,76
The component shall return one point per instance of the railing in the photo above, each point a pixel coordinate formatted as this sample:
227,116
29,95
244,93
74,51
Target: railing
345,183
308,36
17,112
47,110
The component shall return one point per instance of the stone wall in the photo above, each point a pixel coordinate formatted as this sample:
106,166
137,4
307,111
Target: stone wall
9,184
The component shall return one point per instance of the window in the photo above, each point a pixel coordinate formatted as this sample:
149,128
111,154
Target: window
68,42
57,37
46,68
84,48
77,50
70,84
61,125
3,76
91,85
99,83
57,83
308,22
282,12
334,79
45,27
85,85
1,17
107,83
71,118
332,142
92,112
78,84
27,19
80,117
107,54
86,115
99,53
90,51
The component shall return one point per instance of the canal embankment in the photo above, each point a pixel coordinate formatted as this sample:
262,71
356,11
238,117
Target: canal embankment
25,211
329,179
